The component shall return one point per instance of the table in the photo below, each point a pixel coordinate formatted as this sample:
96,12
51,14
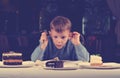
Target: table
39,72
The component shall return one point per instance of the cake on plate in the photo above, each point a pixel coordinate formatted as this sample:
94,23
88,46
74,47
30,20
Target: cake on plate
12,58
96,60
55,64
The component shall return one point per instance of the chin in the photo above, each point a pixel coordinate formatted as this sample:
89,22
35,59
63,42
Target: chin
59,47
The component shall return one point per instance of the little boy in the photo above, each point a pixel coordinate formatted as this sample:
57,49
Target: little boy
61,43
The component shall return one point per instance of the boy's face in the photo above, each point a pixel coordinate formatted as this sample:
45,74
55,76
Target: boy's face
59,39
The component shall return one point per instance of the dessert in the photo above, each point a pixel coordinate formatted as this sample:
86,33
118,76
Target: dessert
12,58
95,60
54,64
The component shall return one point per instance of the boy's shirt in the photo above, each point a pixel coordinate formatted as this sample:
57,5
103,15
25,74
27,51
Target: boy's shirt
68,52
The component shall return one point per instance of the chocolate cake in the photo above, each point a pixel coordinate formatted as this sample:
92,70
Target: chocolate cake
12,58
54,64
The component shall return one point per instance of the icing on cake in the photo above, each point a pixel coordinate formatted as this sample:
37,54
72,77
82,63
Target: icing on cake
12,58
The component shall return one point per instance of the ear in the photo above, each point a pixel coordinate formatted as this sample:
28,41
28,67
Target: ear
70,35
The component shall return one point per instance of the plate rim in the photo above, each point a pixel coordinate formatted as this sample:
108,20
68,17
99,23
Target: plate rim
64,68
100,67
17,66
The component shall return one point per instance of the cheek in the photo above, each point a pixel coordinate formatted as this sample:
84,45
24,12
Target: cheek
54,40
65,40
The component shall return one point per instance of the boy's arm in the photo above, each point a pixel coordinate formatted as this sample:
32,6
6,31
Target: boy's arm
37,54
81,52
39,51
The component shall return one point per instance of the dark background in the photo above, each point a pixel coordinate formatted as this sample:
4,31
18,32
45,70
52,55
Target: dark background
22,21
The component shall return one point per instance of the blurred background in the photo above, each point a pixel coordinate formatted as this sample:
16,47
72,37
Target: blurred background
22,21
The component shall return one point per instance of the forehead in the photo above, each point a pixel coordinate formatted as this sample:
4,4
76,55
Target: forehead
64,33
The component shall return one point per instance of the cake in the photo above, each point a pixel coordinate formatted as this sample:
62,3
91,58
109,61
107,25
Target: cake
12,58
95,60
54,64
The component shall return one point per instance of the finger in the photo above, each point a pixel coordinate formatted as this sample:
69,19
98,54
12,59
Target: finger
43,37
76,34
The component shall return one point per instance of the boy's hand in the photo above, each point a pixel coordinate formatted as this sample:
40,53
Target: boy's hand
75,38
43,40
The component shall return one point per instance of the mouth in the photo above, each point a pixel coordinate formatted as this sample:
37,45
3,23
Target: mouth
59,46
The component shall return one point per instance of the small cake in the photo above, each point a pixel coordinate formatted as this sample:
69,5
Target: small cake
95,60
12,58
54,64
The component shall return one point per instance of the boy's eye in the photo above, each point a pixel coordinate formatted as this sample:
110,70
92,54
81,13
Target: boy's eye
63,37
55,36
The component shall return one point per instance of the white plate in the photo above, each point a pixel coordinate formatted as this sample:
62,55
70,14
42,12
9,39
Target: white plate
64,68
100,67
25,64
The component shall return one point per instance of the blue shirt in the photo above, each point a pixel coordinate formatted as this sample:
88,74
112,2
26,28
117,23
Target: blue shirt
68,52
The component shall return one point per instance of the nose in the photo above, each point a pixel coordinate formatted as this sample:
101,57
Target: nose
59,40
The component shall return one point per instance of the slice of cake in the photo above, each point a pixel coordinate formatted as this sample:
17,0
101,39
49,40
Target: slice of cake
12,58
95,60
55,64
